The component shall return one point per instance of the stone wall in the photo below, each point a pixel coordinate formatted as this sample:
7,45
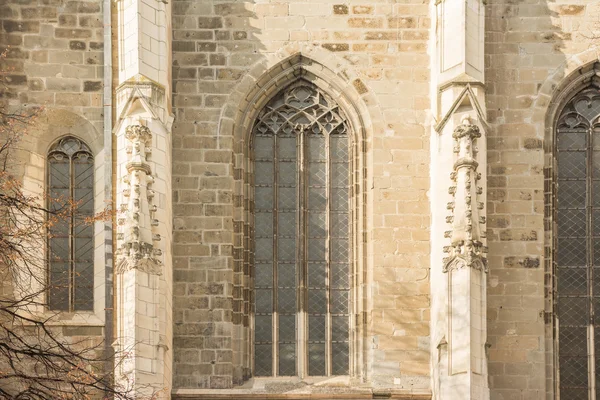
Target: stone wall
530,48
54,55
378,50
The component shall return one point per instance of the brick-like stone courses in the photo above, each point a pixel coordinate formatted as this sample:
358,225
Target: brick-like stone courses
526,43
215,44
54,55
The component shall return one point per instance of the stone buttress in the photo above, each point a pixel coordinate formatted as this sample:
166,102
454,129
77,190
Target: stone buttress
143,199
458,199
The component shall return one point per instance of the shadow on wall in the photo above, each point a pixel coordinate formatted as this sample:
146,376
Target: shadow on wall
214,45
530,48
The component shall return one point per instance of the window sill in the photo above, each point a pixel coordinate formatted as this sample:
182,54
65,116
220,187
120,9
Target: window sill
80,318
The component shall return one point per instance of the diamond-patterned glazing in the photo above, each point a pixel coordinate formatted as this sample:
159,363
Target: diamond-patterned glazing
71,239
578,244
301,233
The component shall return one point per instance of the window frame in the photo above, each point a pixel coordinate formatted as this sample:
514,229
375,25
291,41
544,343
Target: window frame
74,218
591,128
302,188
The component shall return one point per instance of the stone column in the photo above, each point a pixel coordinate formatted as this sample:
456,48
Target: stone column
144,276
458,187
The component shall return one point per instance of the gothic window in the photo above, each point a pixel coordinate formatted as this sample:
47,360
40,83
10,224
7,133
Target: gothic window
301,235
70,239
577,253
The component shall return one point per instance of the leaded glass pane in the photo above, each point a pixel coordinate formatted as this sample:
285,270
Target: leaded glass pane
263,359
316,328
287,359
263,331
70,236
263,147
301,197
578,249
340,358
263,199
316,359
287,328
572,164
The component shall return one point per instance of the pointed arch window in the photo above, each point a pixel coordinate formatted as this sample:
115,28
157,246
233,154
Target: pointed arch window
70,239
577,254
300,146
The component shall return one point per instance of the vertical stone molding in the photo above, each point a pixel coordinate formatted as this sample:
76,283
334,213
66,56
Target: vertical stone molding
143,195
466,218
459,265
140,343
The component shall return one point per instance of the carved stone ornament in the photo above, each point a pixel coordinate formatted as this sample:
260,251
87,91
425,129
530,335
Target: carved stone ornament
137,255
467,213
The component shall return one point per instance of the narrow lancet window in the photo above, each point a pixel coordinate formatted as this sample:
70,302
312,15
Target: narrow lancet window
578,244
301,152
70,236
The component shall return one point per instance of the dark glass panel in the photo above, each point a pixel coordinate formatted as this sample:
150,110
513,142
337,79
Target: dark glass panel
339,199
263,275
263,197
287,328
287,198
316,328
84,286
340,358
263,248
571,223
571,194
571,164
264,301
263,359
317,275
317,301
340,275
572,281
572,140
316,249
59,286
339,174
286,174
263,222
286,249
316,148
263,173
287,359
573,311
286,224
571,252
317,174
317,199
263,147
339,301
286,275
339,328
286,299
316,360
287,148
263,331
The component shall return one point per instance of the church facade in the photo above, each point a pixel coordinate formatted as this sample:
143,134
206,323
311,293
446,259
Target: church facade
364,199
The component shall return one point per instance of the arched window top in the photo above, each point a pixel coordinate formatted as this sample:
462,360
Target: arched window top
301,251
301,107
70,238
582,111
69,147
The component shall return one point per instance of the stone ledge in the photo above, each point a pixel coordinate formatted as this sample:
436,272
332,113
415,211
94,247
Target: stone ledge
335,393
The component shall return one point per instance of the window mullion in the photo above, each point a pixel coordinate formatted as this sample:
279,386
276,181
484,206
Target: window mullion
328,320
275,321
302,245
590,258
71,235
